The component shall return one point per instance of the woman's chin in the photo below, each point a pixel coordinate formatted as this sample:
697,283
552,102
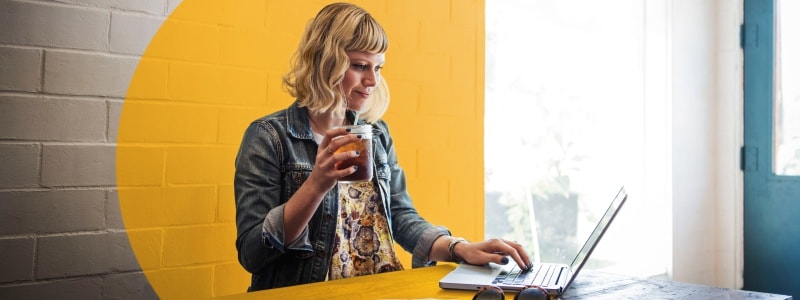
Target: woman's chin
356,104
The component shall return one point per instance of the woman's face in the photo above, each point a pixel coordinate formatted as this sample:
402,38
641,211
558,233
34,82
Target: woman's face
361,77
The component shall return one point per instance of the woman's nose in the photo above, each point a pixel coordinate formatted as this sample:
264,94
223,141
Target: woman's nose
371,78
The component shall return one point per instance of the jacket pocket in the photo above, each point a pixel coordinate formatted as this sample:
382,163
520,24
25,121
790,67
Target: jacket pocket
294,177
383,171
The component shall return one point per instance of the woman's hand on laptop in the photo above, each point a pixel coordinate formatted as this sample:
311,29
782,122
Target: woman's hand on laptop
492,250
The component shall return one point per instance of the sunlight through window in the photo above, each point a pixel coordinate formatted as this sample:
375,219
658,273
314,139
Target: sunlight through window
576,106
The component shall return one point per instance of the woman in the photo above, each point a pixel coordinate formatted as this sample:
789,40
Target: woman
296,222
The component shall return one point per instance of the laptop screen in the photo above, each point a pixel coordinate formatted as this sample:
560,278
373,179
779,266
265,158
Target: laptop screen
598,231
473,277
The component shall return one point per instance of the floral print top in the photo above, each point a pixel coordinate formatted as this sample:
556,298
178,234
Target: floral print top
363,244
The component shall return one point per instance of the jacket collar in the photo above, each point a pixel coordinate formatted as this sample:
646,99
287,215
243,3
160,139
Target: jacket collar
299,124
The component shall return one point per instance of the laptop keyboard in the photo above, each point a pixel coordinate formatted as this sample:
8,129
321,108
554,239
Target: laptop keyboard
538,275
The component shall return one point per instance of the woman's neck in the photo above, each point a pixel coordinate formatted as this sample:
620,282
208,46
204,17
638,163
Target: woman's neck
320,123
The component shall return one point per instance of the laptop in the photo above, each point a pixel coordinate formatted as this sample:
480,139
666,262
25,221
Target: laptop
555,278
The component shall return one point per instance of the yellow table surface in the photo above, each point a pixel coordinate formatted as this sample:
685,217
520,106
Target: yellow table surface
420,283
423,283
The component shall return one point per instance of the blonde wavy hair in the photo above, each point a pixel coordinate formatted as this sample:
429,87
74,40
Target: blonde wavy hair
319,64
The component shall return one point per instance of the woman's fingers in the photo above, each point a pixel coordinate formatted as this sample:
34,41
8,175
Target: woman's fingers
335,138
499,250
523,260
327,155
516,252
330,135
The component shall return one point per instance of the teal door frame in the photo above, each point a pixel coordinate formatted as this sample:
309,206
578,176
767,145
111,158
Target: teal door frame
771,202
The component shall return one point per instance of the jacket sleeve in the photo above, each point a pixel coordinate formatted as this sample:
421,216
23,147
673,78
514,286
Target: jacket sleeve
259,208
412,232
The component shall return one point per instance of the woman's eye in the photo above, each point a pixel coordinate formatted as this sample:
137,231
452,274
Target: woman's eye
360,67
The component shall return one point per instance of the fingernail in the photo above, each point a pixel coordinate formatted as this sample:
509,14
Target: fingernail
348,129
355,168
358,152
358,136
504,261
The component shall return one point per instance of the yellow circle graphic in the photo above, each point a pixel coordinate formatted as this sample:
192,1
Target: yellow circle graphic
213,67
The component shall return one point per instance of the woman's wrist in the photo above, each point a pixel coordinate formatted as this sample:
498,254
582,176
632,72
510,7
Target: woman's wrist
451,249
317,186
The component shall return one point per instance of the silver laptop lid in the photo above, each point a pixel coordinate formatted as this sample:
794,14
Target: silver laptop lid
597,233
471,277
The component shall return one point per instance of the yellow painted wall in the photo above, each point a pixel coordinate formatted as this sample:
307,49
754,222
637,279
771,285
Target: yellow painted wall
214,66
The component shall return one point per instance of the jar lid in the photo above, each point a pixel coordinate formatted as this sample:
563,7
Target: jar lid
360,129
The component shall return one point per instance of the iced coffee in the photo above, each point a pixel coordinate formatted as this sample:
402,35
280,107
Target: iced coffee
364,158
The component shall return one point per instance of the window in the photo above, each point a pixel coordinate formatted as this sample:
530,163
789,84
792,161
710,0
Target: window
787,105
576,106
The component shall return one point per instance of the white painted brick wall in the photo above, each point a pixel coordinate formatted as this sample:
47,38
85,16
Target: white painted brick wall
90,253
127,286
47,118
155,7
78,165
17,259
114,114
77,210
20,165
131,33
79,288
171,5
20,69
53,25
72,73
113,213
65,66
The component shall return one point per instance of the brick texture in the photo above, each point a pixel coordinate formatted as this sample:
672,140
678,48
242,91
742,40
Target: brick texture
80,288
84,254
131,33
92,74
114,113
127,286
20,163
52,119
17,262
65,67
68,211
20,69
153,7
43,24
113,214
78,165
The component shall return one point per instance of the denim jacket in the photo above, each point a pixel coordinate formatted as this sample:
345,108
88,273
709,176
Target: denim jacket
276,156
